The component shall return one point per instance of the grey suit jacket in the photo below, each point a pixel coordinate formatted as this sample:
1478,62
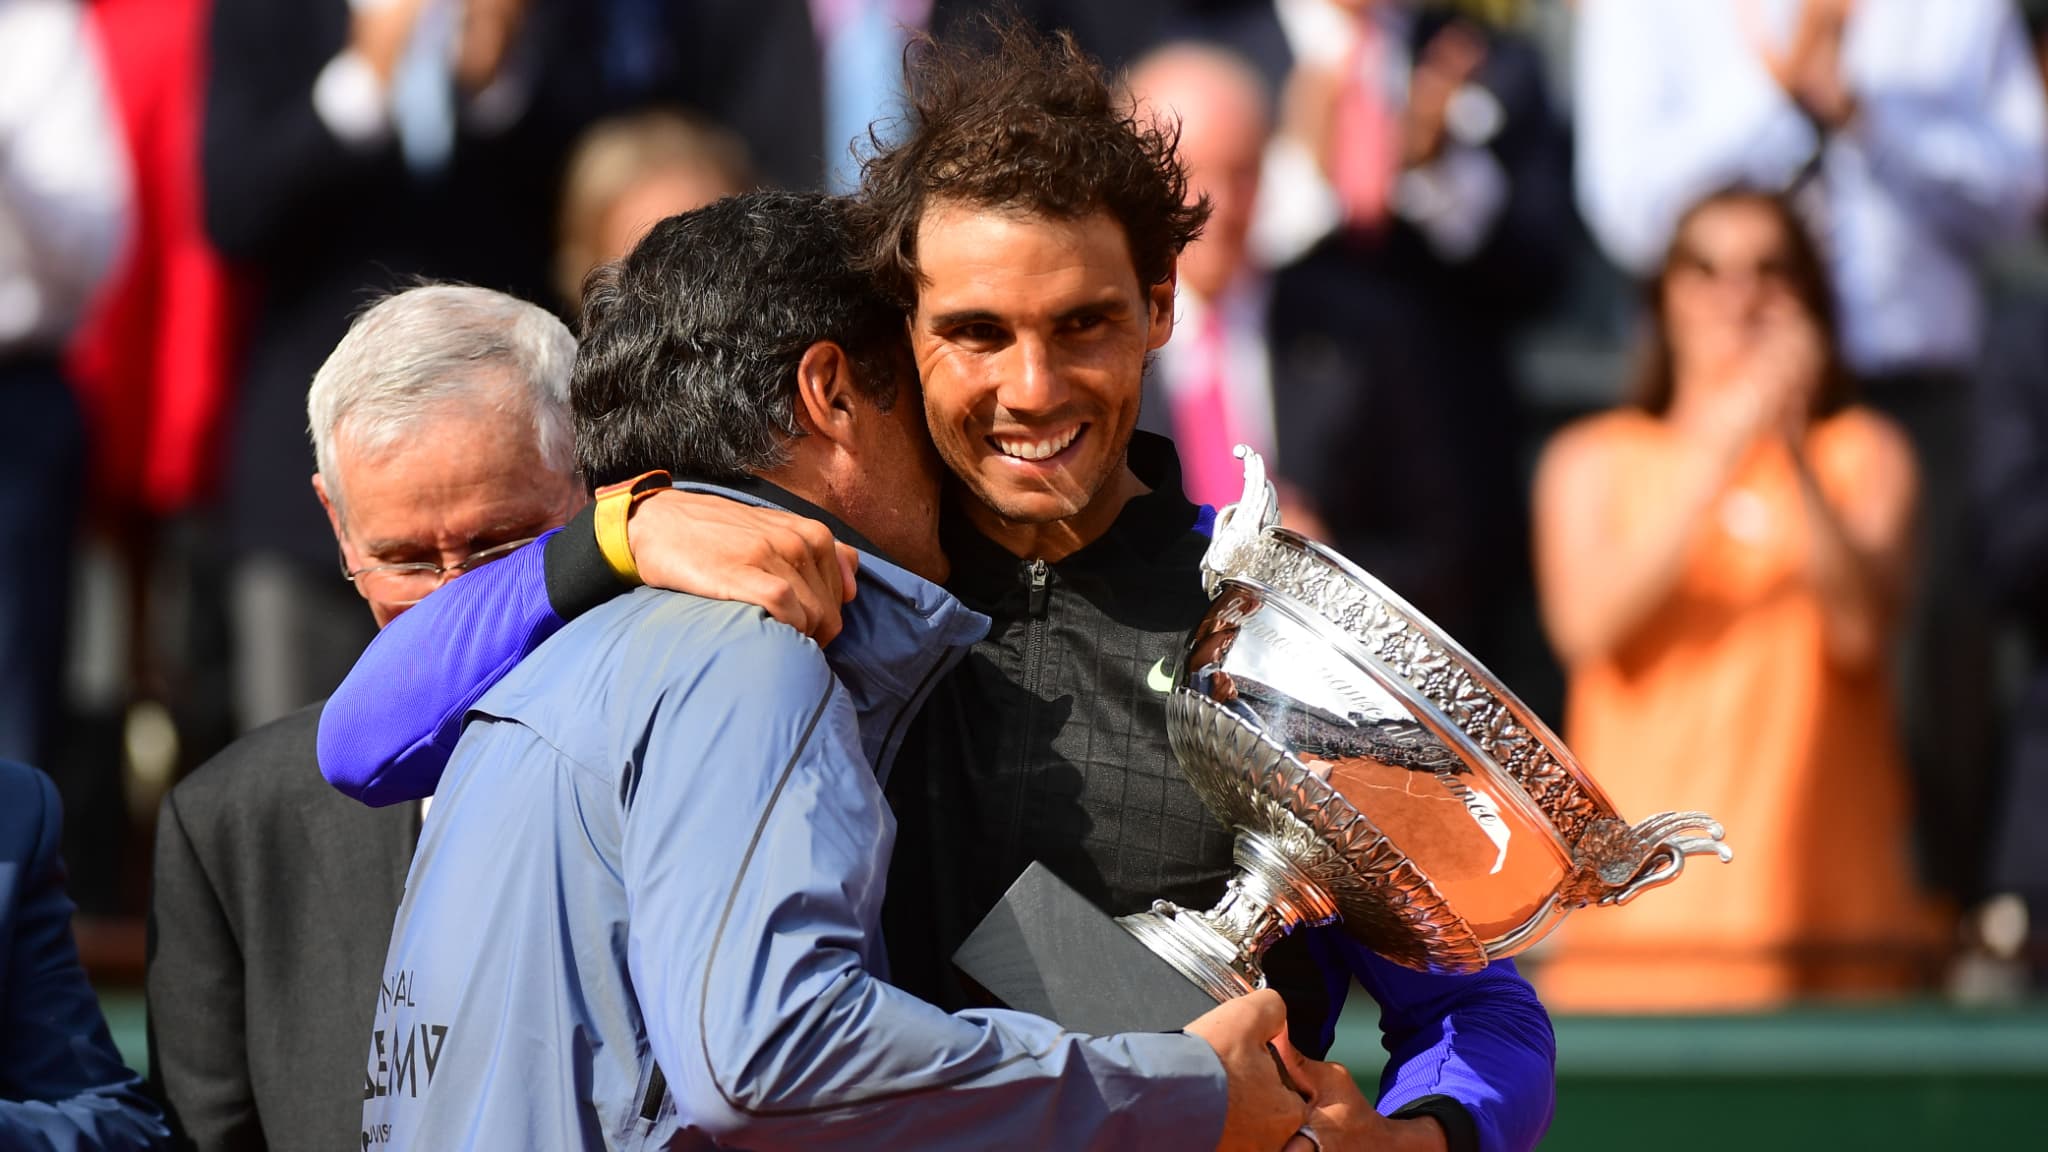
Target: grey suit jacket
269,919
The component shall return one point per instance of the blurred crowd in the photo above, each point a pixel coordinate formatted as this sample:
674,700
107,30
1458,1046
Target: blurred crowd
1686,359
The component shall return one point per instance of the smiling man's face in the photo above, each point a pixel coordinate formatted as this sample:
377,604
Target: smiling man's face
1030,336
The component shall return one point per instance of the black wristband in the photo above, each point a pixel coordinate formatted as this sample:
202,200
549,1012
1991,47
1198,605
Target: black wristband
1461,1132
578,577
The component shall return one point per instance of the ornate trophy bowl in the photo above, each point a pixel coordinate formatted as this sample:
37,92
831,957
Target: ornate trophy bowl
1376,774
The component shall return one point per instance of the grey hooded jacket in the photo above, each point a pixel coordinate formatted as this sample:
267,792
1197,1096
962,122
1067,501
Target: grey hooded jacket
643,914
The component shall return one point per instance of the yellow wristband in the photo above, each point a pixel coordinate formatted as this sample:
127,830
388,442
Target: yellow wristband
614,506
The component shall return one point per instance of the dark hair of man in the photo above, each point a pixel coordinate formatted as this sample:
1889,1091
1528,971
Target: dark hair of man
691,342
1027,123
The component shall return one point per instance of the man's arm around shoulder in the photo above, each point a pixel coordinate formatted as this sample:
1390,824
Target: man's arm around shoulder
756,848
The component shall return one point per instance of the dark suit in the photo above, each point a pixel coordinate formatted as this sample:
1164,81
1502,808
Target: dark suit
2010,461
1351,428
1438,328
751,65
1116,33
62,1083
271,913
328,226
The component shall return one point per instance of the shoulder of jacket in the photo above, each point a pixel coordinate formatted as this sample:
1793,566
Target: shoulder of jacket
30,818
262,761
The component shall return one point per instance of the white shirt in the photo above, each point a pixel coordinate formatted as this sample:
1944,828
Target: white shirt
1947,154
1454,200
64,180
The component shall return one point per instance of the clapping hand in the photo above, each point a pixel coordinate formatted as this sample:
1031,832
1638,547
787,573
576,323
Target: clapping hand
1809,68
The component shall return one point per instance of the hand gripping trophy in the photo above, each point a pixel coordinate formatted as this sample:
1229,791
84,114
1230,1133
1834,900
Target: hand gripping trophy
1373,773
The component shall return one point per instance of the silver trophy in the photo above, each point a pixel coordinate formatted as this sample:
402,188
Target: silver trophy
1376,774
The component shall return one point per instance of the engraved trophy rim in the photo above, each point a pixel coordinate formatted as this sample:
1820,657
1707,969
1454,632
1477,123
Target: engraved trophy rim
1454,698
1469,664
1419,706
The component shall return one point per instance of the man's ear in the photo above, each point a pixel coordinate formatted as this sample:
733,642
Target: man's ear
825,394
327,502
1159,307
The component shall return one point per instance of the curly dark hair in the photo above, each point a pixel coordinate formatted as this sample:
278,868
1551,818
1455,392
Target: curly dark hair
1015,119
691,342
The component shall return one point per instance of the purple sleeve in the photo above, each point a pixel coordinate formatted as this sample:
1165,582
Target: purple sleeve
1482,1040
387,732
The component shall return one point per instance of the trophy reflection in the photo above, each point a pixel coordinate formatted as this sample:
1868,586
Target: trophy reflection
1374,775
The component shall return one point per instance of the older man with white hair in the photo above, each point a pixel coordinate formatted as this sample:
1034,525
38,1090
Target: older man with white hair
440,424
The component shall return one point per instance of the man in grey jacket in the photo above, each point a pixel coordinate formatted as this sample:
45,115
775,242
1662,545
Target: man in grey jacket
643,913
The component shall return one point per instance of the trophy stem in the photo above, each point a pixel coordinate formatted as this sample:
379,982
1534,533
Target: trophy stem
1219,950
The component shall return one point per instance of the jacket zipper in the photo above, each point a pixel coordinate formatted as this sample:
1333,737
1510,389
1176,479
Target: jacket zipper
1035,576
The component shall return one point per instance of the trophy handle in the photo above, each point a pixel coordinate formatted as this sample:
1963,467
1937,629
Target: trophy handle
1239,525
1616,862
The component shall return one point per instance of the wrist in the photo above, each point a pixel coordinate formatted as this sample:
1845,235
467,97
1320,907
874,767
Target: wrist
1417,1134
1439,1123
613,511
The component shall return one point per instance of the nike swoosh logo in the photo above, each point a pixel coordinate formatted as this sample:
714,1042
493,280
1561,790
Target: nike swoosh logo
1157,679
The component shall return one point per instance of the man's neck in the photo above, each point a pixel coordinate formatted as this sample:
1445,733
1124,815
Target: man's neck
914,548
1055,541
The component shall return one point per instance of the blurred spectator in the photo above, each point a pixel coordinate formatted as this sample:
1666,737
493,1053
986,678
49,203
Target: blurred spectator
62,1084
64,202
860,73
1912,136
1420,177
749,65
1721,566
441,426
1286,362
154,368
349,146
2011,457
860,54
1214,387
630,172
154,363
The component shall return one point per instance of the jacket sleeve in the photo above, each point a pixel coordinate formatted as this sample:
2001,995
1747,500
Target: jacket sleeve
2010,457
198,1050
1483,1041
387,732
756,848
1973,163
63,1087
1648,147
271,168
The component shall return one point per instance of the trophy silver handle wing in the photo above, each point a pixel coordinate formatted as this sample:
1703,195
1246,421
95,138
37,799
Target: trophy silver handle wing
1239,525
1617,862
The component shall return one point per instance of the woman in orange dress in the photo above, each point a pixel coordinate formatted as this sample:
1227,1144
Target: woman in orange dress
1721,566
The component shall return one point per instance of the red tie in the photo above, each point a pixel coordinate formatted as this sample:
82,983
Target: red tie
1364,147
1202,427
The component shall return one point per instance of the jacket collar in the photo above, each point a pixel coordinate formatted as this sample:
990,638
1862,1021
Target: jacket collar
984,571
901,631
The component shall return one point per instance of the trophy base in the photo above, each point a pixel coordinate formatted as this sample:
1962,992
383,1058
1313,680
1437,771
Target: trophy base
1044,949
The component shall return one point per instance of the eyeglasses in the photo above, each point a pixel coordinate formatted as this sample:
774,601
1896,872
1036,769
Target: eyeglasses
411,583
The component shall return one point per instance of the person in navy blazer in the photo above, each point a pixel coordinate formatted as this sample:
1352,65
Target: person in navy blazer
62,1084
